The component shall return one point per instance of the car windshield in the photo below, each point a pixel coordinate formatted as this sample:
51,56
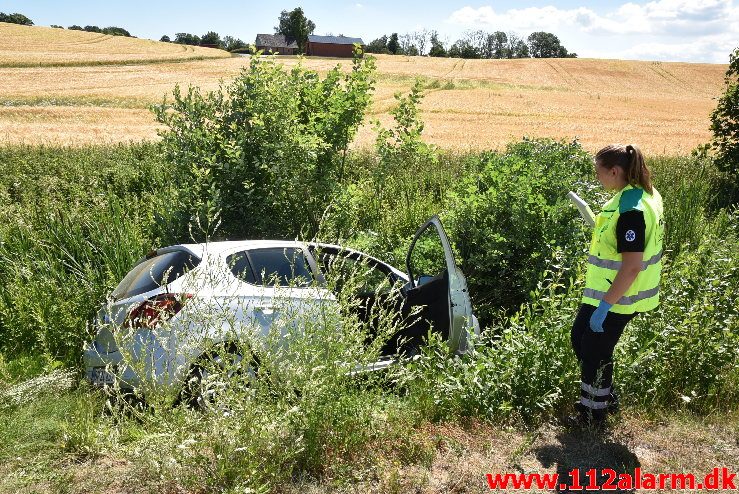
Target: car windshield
155,272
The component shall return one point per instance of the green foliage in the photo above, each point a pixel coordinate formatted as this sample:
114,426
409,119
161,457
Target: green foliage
686,353
725,120
211,38
688,186
116,31
186,39
296,26
547,45
507,218
16,18
231,44
393,45
77,219
268,150
394,190
437,47
378,45
521,372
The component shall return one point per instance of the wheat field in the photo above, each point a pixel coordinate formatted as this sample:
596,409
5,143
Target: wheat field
29,46
468,104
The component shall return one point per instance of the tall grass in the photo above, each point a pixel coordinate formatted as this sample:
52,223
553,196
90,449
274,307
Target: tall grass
76,220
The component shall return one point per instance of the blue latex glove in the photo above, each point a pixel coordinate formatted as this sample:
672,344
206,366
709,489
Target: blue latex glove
596,320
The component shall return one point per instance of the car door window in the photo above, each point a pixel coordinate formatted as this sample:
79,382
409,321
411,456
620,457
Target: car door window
275,266
427,258
362,275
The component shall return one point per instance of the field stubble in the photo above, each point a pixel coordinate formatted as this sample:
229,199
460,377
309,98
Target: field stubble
469,104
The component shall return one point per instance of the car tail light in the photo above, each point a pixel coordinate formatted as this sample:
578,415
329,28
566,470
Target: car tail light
156,310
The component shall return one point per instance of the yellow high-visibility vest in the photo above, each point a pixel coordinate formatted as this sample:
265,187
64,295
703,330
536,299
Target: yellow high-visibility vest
604,260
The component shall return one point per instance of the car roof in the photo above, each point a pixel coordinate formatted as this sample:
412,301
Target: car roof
227,246
210,248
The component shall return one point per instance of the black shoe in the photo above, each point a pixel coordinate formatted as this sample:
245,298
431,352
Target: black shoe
613,406
585,417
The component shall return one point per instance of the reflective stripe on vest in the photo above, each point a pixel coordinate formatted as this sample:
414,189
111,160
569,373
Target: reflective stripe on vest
630,300
604,260
616,265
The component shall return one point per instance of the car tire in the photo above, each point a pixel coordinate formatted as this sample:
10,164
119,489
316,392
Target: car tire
215,372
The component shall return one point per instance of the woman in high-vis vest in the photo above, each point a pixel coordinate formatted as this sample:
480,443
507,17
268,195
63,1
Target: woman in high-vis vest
623,273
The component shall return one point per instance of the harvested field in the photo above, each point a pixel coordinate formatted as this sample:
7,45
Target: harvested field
32,46
469,104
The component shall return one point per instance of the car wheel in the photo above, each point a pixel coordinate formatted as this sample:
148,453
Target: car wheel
224,368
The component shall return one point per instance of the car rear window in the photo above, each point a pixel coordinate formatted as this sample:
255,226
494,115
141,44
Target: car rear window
271,267
152,273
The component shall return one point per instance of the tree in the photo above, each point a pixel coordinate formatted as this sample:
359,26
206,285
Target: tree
420,39
187,39
546,45
437,47
725,120
116,31
56,26
75,27
16,19
498,45
211,38
92,29
463,48
378,45
517,47
296,26
230,43
165,39
393,46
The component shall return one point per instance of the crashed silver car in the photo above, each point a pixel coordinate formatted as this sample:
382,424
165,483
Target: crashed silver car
181,300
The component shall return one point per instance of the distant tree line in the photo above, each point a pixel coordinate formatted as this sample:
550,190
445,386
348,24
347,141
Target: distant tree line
210,39
110,30
16,19
474,44
293,24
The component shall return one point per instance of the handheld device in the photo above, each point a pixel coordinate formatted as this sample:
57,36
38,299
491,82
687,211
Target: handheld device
585,211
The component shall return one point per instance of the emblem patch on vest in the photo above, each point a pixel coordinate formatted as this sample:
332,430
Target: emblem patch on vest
630,236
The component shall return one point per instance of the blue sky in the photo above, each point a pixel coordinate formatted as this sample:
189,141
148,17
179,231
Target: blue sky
666,30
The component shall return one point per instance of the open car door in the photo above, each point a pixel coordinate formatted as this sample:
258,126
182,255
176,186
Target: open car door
437,284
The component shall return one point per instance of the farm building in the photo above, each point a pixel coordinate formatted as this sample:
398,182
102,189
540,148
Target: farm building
276,43
332,46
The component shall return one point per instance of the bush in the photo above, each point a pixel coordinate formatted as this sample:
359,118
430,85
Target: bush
507,218
267,151
725,120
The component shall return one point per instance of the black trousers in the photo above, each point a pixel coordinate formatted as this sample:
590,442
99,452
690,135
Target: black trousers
595,353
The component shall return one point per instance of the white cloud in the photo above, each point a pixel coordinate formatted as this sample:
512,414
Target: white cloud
661,29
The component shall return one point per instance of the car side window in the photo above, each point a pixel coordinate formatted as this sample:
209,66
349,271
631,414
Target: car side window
241,268
274,266
363,276
155,272
427,258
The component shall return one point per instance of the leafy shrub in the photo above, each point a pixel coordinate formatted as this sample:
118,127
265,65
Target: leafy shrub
268,150
686,353
507,218
725,120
